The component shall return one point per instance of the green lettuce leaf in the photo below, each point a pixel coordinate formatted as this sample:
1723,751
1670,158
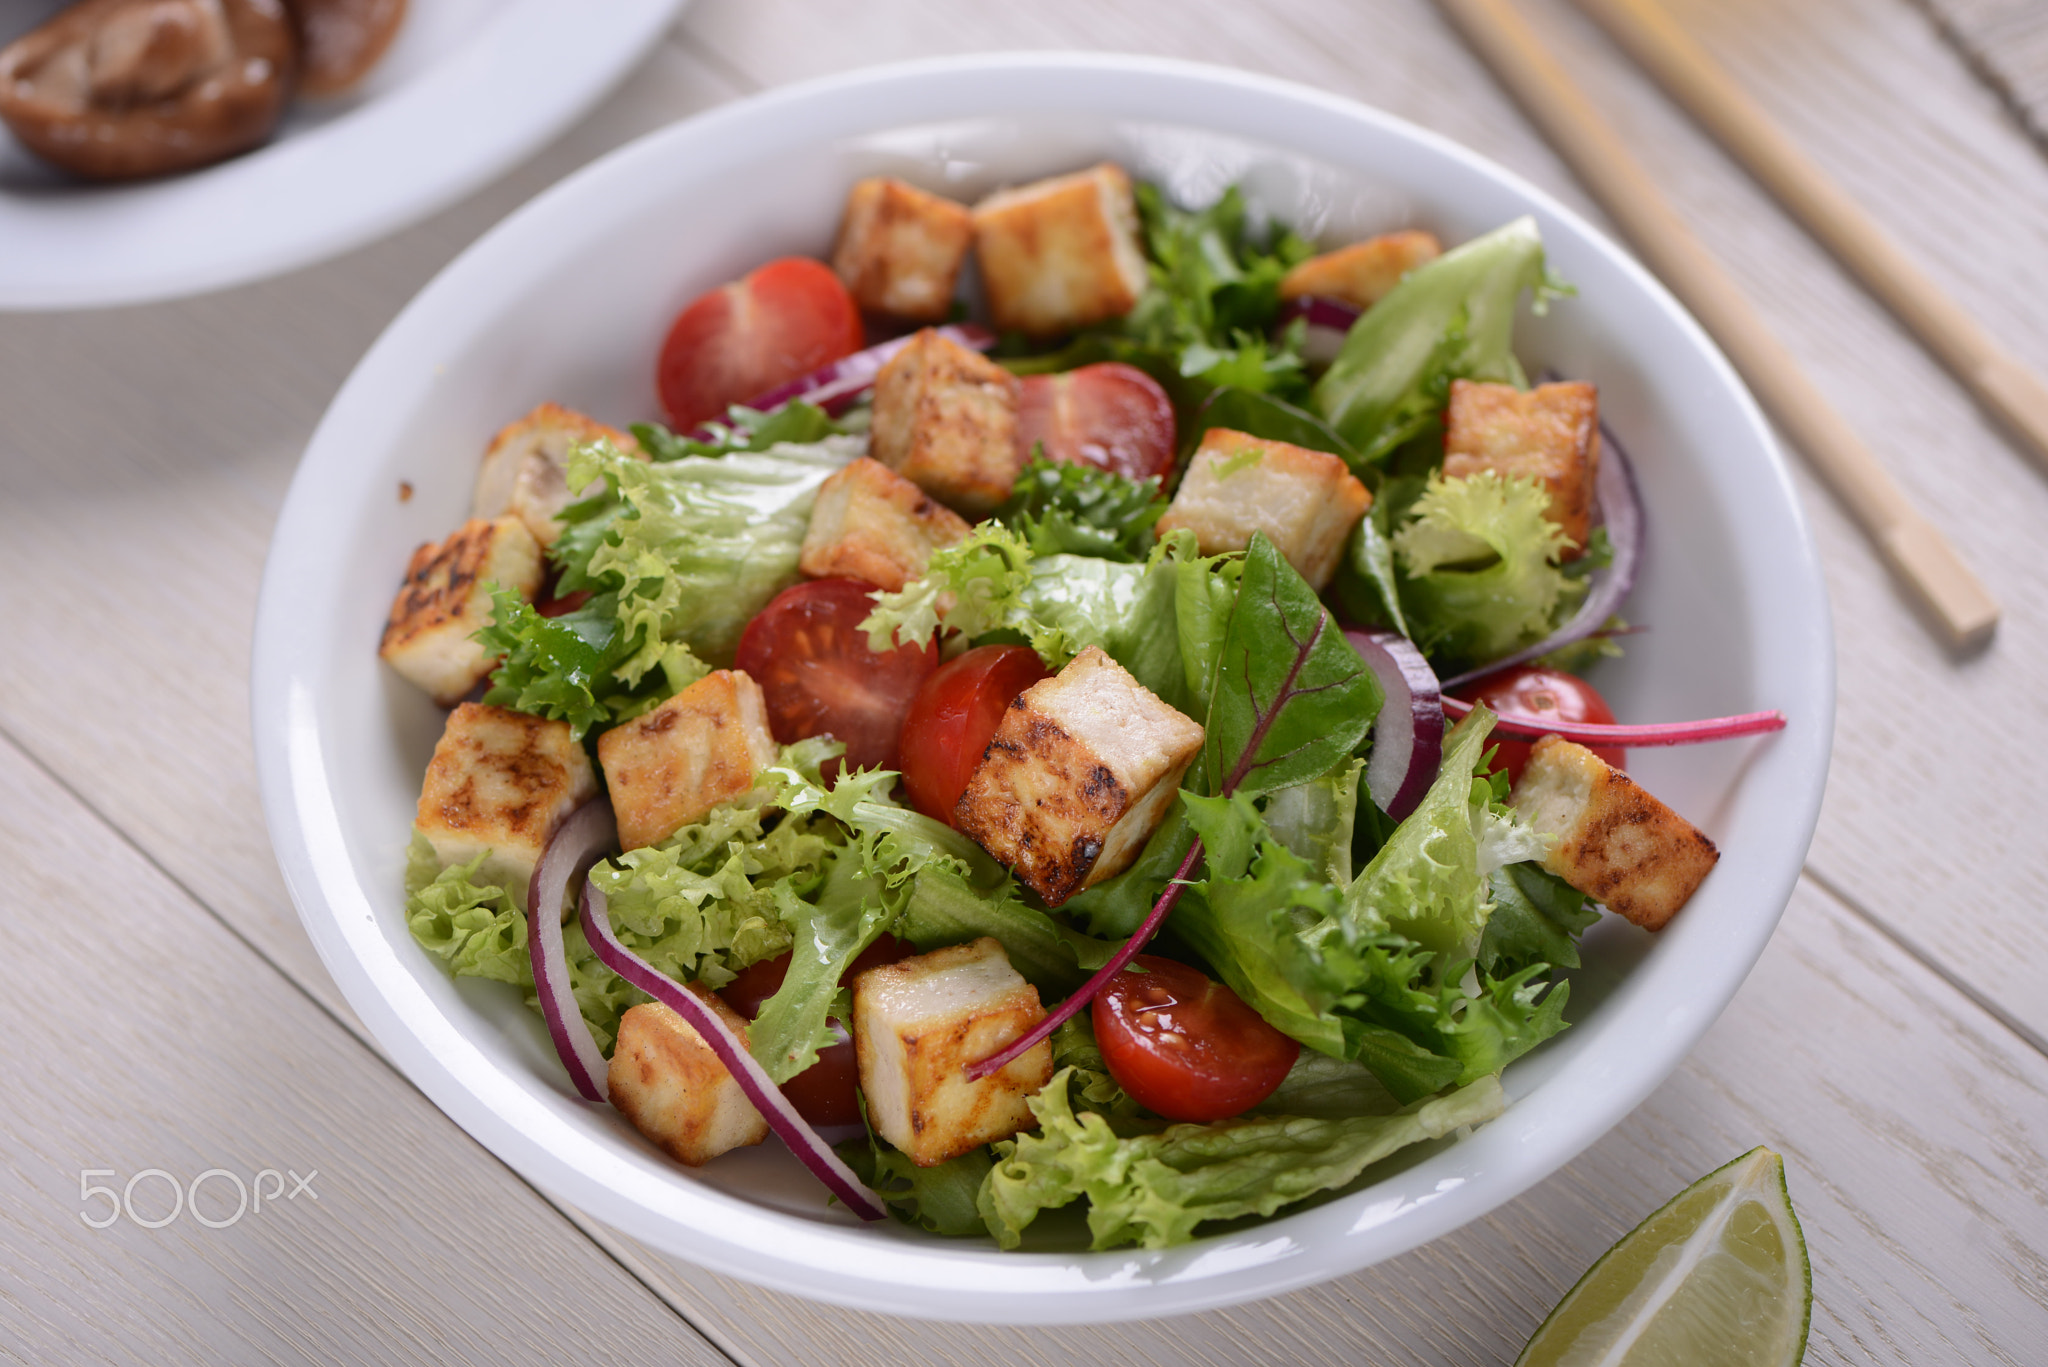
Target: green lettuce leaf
1153,1189
1450,319
1329,1088
744,429
941,1199
1065,508
1537,919
1263,415
1276,718
1480,572
473,928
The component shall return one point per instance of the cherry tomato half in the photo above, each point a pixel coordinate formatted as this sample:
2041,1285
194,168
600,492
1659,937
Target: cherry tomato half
1185,1046
953,717
823,1092
780,322
1534,694
819,678
1110,415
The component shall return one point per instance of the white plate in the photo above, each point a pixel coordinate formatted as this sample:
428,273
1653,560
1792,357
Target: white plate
568,300
469,89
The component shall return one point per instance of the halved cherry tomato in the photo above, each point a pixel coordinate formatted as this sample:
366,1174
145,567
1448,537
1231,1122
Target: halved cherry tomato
1185,1046
823,1092
1110,415
811,658
953,717
780,322
1534,693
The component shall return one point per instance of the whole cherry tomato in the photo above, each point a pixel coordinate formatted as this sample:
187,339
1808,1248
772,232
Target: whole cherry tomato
952,718
778,323
1110,415
1534,694
824,1092
1185,1046
819,678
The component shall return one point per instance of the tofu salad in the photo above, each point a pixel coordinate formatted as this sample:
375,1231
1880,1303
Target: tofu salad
1090,764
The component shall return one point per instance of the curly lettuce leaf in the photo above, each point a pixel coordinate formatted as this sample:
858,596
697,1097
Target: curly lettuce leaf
744,429
1154,1189
474,928
977,584
941,1199
1450,319
1065,508
1479,568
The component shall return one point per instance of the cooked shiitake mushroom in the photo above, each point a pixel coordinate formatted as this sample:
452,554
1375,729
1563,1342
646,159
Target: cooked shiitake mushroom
340,40
120,89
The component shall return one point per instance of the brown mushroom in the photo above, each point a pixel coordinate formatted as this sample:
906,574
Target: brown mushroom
340,40
119,89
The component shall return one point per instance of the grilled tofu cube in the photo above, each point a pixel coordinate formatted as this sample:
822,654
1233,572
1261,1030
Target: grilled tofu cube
946,420
1082,769
1550,434
445,600
525,471
1616,843
918,1024
1362,273
872,524
1306,502
501,781
668,767
666,1080
900,249
1060,254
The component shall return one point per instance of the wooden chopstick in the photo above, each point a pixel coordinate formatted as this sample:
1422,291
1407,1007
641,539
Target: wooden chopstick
1917,553
2001,383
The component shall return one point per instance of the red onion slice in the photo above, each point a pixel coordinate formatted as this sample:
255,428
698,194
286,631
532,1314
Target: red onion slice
1621,512
1408,734
834,387
1656,733
803,1141
583,838
1329,321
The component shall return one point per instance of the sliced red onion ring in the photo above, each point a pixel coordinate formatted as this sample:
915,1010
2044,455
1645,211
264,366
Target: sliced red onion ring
1657,733
834,387
1621,512
803,1141
1329,321
583,838
1408,735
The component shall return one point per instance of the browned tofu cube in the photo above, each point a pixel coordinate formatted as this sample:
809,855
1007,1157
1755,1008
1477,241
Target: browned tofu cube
668,767
872,524
1060,254
918,1024
525,471
446,598
1083,767
666,1080
1550,434
1306,502
1362,273
900,249
501,781
946,420
1616,843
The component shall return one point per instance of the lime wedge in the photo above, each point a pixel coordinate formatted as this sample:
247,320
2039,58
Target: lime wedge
1719,1275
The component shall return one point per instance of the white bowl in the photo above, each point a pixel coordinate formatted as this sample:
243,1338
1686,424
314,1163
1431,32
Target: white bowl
568,299
469,89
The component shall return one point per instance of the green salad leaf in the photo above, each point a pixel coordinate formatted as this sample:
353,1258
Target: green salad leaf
1450,319
1066,508
1264,415
1480,576
1153,1189
941,1199
744,429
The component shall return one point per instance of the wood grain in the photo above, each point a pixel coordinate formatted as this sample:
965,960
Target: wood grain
143,454
141,1035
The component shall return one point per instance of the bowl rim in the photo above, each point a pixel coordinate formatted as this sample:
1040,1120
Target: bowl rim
928,1278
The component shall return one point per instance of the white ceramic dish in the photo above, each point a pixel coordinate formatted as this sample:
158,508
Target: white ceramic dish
469,89
568,300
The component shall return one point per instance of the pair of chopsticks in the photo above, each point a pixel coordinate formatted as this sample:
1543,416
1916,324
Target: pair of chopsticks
1914,549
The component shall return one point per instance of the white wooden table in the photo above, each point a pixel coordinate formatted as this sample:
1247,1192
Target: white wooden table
161,1008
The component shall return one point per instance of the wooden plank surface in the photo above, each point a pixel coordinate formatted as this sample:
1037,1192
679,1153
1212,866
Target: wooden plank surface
143,454
142,1036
